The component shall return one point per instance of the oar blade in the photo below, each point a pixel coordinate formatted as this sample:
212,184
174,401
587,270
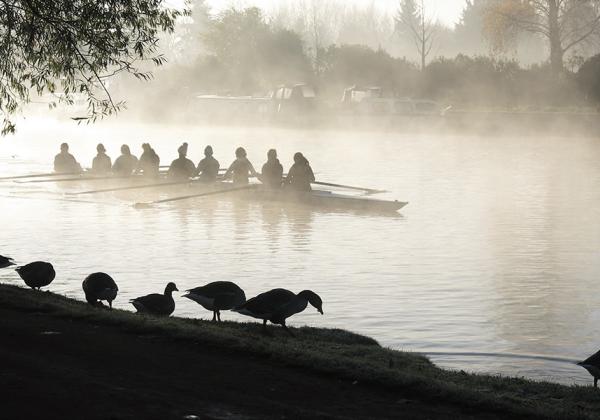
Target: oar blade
142,205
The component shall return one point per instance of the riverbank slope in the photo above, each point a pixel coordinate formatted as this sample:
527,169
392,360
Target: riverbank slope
64,359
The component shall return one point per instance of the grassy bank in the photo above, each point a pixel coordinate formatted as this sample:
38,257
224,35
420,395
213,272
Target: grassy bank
335,353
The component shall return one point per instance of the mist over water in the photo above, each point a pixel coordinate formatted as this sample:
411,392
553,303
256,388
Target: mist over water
497,251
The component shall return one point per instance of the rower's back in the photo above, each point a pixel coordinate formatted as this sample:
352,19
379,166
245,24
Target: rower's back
208,169
126,163
182,168
64,162
300,175
149,162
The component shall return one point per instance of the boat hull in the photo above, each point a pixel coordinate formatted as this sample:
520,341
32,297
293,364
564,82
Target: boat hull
324,199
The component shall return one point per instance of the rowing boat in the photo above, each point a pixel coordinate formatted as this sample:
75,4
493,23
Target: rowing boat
134,189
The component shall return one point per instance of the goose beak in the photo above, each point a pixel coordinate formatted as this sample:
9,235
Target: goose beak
321,311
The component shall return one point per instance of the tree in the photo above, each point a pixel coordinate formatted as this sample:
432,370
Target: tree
411,22
71,48
469,30
184,44
250,55
563,23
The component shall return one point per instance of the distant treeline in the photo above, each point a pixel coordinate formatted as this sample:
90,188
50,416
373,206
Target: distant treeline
242,52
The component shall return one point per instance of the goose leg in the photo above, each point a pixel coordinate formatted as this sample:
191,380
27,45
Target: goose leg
110,304
214,316
287,329
219,316
264,329
595,382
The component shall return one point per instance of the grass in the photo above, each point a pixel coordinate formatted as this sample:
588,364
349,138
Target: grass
334,352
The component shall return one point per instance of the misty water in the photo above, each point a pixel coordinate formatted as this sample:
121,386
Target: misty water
496,255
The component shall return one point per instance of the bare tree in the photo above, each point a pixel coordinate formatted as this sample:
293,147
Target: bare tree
411,21
563,23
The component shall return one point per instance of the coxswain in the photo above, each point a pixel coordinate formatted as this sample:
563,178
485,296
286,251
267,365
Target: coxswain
64,162
182,168
126,163
300,175
241,168
149,162
208,168
101,163
272,171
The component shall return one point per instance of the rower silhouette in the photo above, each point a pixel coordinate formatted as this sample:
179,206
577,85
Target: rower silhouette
241,169
149,162
272,171
101,163
64,162
300,175
126,163
208,168
182,168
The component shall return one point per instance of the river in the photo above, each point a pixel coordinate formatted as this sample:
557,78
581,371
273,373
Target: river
493,262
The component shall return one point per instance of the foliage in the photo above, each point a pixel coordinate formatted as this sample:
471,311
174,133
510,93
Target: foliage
589,78
356,64
71,48
486,82
252,55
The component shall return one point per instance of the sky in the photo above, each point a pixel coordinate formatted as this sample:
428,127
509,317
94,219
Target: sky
447,11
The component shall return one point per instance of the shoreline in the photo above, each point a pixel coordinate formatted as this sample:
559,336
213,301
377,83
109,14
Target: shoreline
362,378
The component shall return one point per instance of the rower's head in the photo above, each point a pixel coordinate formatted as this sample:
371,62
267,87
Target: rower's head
240,152
125,150
208,151
64,147
272,154
300,159
100,148
182,150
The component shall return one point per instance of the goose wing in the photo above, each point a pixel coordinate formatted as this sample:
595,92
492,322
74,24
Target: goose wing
264,304
214,289
155,303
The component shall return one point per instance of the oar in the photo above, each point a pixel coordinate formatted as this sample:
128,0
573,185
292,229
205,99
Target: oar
185,197
7,178
158,184
87,178
350,187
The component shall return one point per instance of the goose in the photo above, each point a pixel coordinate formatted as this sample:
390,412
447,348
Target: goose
155,303
37,274
217,296
277,305
6,261
592,365
100,286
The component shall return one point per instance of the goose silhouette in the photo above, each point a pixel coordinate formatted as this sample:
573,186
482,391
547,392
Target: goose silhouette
277,305
100,286
217,296
155,303
37,274
6,261
592,365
